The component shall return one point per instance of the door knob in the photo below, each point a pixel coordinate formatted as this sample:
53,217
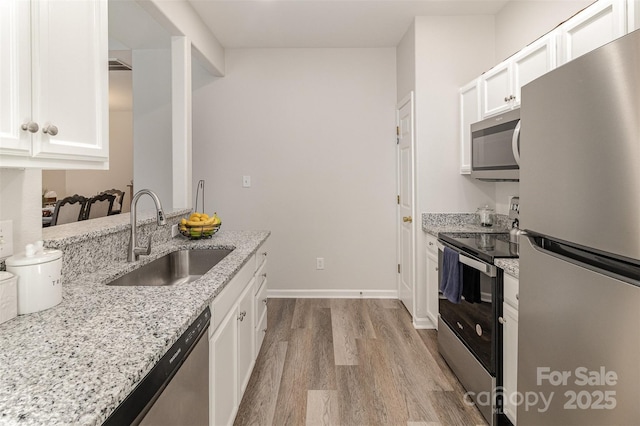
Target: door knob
407,219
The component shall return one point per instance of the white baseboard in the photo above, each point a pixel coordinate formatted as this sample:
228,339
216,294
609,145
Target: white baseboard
332,294
423,323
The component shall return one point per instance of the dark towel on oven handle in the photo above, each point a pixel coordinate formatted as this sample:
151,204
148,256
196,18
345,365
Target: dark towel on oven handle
451,284
471,284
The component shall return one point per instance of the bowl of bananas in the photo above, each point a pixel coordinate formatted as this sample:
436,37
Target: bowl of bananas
200,225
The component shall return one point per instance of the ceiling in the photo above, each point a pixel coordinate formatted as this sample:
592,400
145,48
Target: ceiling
325,23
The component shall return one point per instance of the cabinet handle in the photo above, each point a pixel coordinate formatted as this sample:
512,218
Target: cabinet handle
502,320
31,126
50,129
407,219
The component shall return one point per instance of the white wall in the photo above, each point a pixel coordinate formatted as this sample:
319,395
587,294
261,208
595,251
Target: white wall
406,63
152,134
315,130
21,202
521,22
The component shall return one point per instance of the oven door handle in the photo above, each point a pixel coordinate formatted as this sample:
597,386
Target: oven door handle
485,268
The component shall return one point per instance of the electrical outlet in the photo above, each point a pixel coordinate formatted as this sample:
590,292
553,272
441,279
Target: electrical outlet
246,181
6,238
174,230
319,263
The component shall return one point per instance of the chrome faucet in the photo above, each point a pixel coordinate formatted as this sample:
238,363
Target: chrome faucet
135,252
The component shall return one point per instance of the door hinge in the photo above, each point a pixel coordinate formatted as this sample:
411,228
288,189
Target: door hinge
398,199
398,268
397,134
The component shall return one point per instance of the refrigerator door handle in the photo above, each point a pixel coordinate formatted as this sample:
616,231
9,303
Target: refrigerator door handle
514,143
485,268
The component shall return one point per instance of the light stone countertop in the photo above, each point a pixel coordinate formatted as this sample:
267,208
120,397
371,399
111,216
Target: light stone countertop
76,362
510,266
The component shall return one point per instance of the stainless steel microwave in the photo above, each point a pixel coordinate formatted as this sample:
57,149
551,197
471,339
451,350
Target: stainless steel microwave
495,147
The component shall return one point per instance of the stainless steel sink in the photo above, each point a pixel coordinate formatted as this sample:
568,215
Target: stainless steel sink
179,267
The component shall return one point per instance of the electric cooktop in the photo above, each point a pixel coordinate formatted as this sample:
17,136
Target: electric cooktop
485,246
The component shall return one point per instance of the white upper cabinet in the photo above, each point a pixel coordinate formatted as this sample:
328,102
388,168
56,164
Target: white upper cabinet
501,85
600,23
536,59
54,85
469,114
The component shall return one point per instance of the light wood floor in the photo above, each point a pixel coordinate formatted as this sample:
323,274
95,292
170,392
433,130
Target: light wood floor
350,362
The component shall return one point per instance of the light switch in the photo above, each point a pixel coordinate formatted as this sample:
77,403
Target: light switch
246,181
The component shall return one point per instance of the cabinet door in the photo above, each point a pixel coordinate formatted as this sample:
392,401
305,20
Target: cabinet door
70,79
469,114
223,371
432,288
633,15
15,77
600,23
497,92
246,341
510,360
533,61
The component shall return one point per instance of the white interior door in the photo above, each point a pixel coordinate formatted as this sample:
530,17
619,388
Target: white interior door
406,202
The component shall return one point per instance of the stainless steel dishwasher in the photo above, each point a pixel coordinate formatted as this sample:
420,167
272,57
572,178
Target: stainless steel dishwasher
176,390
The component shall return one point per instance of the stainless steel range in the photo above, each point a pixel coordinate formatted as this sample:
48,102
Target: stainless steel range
470,303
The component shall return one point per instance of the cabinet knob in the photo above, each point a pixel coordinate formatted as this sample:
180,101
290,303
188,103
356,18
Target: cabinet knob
264,301
502,320
50,129
430,243
437,268
242,315
31,126
264,275
264,254
264,330
517,296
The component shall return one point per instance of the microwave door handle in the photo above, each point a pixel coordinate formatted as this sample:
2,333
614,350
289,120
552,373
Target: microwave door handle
486,269
514,143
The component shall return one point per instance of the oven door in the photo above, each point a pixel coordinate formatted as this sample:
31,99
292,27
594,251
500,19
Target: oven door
474,319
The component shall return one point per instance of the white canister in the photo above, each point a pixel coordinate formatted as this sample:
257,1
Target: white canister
8,296
39,273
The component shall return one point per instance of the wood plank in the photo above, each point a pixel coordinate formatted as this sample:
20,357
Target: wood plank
350,321
452,410
322,408
291,403
303,312
279,319
388,407
258,403
354,399
322,374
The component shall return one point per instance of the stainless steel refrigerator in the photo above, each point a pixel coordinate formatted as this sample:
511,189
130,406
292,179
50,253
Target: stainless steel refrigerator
579,300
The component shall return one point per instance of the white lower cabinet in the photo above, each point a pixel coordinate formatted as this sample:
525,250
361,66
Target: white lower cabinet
509,321
235,336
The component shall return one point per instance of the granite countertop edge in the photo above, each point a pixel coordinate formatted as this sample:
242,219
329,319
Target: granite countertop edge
76,362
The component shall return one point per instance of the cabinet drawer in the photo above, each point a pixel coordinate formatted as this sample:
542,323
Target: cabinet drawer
432,247
511,288
261,300
261,255
224,301
261,276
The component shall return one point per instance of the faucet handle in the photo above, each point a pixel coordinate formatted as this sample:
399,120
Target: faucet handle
148,251
140,250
